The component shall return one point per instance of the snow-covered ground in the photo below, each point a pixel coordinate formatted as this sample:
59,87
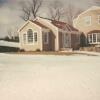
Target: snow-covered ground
41,77
9,44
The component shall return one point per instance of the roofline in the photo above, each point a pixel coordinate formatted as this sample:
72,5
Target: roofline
23,25
53,20
48,21
27,22
85,12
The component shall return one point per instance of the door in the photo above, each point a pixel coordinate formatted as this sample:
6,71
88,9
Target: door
66,40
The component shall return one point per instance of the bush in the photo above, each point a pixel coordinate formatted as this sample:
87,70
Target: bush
38,50
8,49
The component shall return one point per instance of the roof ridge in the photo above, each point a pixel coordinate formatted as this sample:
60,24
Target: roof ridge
53,20
38,23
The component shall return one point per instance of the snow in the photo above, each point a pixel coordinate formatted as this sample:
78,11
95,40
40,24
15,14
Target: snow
88,53
49,77
9,44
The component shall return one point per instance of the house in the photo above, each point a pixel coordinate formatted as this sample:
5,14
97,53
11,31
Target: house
88,22
48,35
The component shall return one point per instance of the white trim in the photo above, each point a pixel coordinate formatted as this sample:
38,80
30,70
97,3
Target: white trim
27,38
28,23
23,25
92,42
53,28
36,25
89,39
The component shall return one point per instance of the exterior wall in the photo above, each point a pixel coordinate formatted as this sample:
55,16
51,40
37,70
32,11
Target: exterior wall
79,22
34,46
60,40
72,42
75,41
63,45
94,38
93,49
53,29
51,42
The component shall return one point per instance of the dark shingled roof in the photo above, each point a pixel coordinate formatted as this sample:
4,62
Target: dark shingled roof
94,31
39,24
59,24
63,25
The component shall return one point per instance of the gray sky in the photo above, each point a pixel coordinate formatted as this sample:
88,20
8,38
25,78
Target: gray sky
10,12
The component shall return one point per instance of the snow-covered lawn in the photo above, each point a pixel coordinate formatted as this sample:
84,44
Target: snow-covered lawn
9,44
41,77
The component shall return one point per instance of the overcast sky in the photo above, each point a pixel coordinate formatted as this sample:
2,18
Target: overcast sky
10,12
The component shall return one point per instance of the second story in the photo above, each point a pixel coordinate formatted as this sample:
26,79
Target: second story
88,20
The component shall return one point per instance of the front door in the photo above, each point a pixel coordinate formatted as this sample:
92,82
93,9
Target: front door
66,41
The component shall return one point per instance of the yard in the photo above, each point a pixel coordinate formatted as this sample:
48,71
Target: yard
49,77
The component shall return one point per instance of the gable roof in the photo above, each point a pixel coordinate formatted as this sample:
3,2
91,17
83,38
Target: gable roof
63,25
60,24
93,8
39,24
35,22
94,31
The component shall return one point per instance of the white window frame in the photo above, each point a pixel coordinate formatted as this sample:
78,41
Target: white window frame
47,34
89,40
94,38
32,37
27,43
92,42
88,19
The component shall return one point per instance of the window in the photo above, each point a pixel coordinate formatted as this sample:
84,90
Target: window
90,38
98,37
88,20
94,37
35,36
98,19
30,36
24,38
46,37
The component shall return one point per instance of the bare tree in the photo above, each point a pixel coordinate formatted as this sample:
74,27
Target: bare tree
30,9
12,32
56,10
26,11
71,13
